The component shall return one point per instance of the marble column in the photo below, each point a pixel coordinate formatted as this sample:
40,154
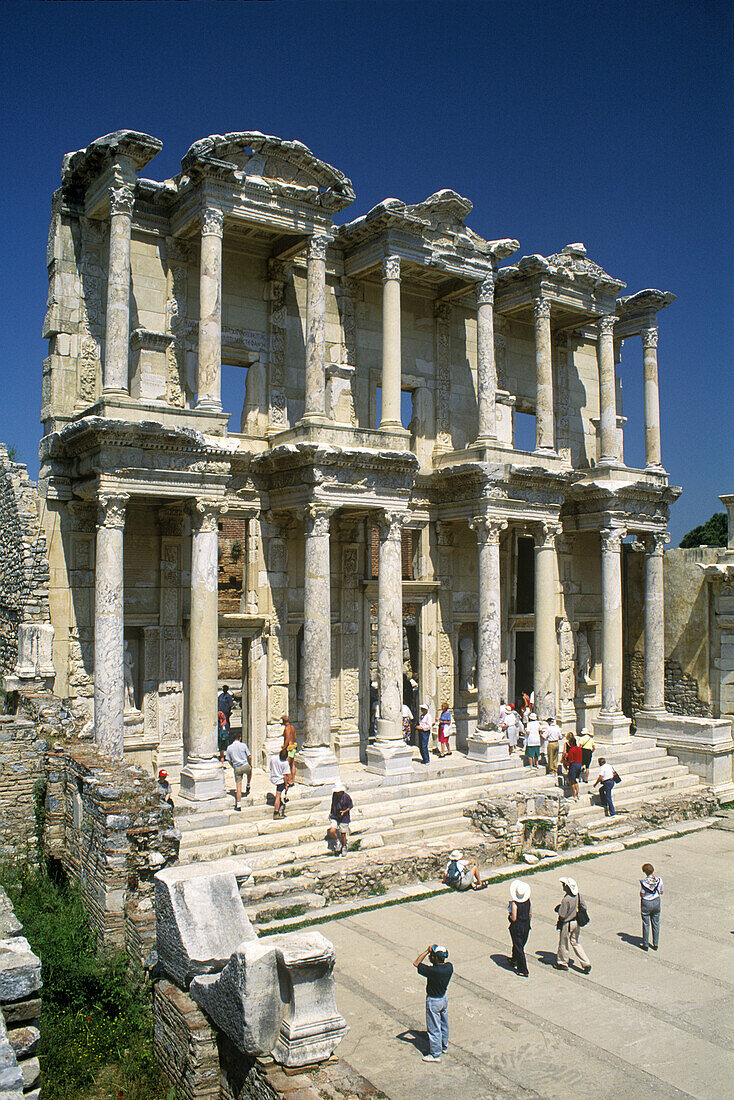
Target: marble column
607,392
316,762
315,400
611,724
389,755
486,367
202,778
391,349
109,642
655,623
488,531
209,380
117,332
546,593
544,415
653,453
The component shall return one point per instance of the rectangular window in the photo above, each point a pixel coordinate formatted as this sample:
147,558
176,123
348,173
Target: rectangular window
525,576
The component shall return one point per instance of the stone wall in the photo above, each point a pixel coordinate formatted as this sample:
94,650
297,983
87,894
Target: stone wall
21,768
681,690
20,1009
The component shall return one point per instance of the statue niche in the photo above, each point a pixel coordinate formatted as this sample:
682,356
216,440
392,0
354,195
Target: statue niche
467,663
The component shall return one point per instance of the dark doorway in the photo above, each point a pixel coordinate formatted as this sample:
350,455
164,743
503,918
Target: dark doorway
524,663
525,591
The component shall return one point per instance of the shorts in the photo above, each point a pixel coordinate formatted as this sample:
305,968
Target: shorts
532,752
242,769
586,755
292,752
574,771
280,787
343,826
466,880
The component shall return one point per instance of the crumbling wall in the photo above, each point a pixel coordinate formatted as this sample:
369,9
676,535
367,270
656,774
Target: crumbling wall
681,690
21,768
20,1008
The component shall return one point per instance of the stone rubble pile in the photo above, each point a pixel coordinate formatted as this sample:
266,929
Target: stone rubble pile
531,822
20,1008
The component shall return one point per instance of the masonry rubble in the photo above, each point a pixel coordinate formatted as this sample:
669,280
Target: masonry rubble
20,1009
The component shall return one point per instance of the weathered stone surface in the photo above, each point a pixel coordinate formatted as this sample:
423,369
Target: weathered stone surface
24,1040
20,970
9,923
200,921
244,1000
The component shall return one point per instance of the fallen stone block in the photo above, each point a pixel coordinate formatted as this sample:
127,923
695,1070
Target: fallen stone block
200,921
20,969
312,1026
24,1041
244,1001
9,924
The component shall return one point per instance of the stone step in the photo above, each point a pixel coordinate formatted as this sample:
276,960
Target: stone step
280,887
290,907
635,796
613,832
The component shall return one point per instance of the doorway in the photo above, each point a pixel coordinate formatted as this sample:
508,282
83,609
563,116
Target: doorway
524,663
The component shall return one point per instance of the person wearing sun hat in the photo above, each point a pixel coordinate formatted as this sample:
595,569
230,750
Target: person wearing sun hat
461,873
425,722
568,926
520,912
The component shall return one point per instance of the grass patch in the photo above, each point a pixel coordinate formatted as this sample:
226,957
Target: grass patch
379,889
292,872
726,805
96,1024
287,912
355,846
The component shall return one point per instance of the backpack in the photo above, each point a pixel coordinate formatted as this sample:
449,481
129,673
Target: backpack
453,874
582,915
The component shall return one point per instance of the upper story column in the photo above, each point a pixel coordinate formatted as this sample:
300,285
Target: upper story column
486,367
653,453
391,351
546,596
544,415
655,622
607,390
109,645
209,382
315,401
117,333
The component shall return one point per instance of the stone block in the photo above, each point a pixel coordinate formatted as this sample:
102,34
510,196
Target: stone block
244,1000
19,1012
200,921
312,1027
24,1041
9,924
20,970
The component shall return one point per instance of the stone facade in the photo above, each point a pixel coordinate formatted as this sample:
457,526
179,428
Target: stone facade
20,1009
383,369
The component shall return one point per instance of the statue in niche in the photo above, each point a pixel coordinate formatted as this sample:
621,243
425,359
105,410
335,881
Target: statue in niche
129,681
583,659
254,404
467,664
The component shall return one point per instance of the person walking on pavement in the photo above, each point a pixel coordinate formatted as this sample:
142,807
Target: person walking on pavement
586,744
425,722
340,818
290,744
238,755
605,780
437,972
651,892
552,737
520,911
568,926
279,772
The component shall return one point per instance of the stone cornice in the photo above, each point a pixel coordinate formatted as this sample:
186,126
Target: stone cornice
81,168
92,433
568,267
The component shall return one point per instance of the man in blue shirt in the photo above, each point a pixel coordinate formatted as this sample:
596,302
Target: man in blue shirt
437,972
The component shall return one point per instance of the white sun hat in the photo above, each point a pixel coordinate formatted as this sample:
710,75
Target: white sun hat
519,890
456,854
571,884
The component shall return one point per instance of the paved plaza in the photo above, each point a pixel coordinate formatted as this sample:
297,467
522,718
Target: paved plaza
639,1025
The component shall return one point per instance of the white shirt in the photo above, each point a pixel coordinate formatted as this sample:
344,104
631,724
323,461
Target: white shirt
279,769
533,732
553,732
238,754
426,721
606,771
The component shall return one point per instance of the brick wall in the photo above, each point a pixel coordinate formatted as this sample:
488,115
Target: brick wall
21,768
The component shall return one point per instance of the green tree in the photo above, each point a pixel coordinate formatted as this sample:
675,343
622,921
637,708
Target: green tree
710,533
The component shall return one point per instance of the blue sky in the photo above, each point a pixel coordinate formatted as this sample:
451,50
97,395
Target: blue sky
602,122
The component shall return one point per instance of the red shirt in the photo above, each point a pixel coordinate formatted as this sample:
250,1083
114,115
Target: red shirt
574,755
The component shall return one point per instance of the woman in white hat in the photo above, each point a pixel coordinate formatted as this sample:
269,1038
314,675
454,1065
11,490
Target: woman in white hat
568,927
520,911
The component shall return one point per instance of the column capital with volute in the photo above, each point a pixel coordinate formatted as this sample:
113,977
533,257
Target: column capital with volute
391,267
649,336
546,533
655,543
488,529
611,538
541,308
111,510
205,514
212,221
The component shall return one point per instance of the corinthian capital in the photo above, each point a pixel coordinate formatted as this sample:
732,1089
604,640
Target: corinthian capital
317,246
547,533
205,514
606,324
111,512
656,542
650,338
390,524
485,291
541,309
317,518
391,267
212,222
611,539
488,529
122,199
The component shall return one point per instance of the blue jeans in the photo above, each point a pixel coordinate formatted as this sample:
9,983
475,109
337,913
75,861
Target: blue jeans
424,746
606,796
437,1024
650,911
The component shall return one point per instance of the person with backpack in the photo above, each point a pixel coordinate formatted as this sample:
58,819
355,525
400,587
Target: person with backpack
438,972
605,780
461,874
651,892
572,915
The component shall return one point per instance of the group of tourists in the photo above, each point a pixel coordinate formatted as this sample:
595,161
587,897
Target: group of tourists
418,731
572,914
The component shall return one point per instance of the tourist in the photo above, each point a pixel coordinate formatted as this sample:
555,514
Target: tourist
238,756
513,725
290,744
407,724
222,735
163,787
340,818
586,744
225,703
279,772
532,741
519,911
437,972
444,730
572,763
425,722
552,738
568,927
461,874
651,892
605,780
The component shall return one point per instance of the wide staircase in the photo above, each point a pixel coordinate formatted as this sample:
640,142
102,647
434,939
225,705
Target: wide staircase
287,856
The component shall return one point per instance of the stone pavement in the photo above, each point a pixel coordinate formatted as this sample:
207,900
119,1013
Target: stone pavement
653,1025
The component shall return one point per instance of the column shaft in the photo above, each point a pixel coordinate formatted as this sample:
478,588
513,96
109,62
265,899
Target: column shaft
489,632
209,382
390,628
611,625
117,332
653,453
607,391
654,623
317,630
486,367
315,400
201,740
109,643
544,678
391,344
544,415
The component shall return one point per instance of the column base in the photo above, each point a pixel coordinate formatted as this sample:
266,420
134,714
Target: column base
611,728
202,784
347,744
317,766
487,746
209,405
390,758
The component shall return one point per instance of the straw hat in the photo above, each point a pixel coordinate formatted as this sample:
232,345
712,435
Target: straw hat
456,854
571,884
519,890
